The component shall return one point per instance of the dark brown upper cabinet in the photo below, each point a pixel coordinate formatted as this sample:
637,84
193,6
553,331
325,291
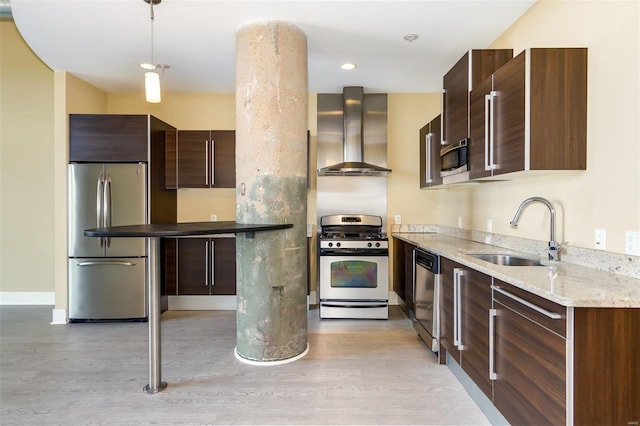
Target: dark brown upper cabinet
430,163
474,67
203,159
108,138
531,114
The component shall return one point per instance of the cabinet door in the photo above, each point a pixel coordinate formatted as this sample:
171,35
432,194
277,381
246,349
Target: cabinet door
447,314
193,266
430,163
509,119
194,156
399,270
171,159
108,138
480,128
475,290
408,278
475,66
454,103
223,153
223,266
530,363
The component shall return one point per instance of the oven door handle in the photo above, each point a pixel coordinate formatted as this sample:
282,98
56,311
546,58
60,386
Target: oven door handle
333,305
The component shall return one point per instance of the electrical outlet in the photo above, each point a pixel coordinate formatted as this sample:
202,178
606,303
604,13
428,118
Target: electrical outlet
632,243
398,219
214,218
459,221
601,239
489,225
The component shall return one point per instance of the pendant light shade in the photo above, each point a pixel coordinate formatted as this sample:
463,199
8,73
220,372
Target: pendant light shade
151,77
152,87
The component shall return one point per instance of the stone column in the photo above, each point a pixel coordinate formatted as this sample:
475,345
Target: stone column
271,170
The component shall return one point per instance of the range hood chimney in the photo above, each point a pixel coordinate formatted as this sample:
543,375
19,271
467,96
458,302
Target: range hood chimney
353,139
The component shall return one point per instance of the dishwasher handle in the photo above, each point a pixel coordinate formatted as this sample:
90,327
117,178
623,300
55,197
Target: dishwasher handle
427,260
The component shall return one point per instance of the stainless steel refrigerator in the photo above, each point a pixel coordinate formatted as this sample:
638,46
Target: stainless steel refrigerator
107,275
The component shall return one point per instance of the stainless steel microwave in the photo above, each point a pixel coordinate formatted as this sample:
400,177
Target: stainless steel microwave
455,158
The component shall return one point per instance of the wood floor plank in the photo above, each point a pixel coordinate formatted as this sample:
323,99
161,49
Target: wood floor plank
356,372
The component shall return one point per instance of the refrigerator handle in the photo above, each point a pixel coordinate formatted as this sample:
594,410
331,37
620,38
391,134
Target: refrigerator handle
99,200
107,206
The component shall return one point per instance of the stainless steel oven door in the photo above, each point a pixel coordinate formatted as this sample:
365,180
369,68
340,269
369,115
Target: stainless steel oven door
354,277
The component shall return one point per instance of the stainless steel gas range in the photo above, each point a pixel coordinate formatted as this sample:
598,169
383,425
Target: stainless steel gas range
353,267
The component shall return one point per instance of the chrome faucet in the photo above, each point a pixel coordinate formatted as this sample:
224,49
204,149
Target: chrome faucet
553,249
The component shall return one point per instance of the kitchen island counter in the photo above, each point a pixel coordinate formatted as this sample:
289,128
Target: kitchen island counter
564,283
153,233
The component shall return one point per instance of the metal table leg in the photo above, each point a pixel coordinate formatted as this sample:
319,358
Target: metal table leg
153,285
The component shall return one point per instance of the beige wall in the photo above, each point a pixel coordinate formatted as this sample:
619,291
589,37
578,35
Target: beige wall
607,194
33,145
26,167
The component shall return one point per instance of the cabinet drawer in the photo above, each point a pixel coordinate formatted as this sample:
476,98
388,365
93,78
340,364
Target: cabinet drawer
534,307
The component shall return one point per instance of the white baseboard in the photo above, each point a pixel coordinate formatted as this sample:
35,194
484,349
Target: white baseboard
27,298
59,316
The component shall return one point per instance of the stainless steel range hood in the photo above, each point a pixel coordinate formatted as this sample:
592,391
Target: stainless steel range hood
363,117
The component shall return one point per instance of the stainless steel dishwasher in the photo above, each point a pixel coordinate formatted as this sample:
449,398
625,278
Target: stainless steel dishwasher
426,292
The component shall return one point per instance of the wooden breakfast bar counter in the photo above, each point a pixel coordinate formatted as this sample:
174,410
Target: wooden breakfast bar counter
153,233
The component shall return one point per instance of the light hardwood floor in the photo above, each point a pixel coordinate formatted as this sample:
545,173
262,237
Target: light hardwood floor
356,372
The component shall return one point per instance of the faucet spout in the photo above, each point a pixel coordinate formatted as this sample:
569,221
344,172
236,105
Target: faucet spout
553,245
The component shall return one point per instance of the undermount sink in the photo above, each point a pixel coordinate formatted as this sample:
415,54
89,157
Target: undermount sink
507,259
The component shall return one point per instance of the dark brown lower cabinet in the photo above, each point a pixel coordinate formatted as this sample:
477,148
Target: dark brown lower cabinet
530,363
403,274
539,362
464,321
206,266
607,366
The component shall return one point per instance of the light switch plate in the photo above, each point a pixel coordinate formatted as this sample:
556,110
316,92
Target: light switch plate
214,218
398,219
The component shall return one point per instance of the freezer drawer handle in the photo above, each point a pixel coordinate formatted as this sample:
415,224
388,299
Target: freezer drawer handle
107,262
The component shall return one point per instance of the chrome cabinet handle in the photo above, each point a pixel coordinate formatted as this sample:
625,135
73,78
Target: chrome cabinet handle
549,314
213,263
206,262
458,273
492,366
457,308
206,163
213,162
487,101
492,162
443,139
427,147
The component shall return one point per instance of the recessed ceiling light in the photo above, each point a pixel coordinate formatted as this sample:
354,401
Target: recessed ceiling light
411,37
348,66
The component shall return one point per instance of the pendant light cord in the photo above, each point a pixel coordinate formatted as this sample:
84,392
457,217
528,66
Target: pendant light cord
152,18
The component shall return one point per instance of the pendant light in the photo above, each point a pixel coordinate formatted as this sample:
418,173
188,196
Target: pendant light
151,77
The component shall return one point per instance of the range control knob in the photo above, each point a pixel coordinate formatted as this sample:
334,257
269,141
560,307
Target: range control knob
338,244
377,244
368,244
330,244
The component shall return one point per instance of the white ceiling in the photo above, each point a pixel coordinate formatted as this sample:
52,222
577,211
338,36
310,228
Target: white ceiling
103,41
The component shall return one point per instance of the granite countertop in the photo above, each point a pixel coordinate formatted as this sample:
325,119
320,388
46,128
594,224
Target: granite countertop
561,282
